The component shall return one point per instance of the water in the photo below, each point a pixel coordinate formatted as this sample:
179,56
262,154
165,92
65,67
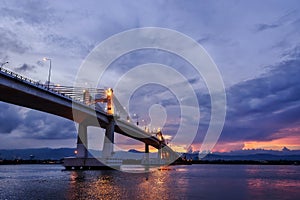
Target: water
177,182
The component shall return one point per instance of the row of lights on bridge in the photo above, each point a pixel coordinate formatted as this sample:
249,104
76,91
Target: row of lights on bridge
147,129
44,59
108,93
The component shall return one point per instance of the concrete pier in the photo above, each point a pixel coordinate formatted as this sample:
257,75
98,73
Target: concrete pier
83,162
82,142
109,140
146,153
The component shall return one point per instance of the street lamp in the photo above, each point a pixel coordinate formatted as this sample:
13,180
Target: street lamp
137,118
49,75
144,124
2,64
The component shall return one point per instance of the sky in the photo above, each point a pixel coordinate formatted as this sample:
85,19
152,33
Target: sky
254,44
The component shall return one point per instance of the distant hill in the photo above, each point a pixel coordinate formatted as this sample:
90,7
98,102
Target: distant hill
38,154
251,157
284,152
134,151
256,154
57,154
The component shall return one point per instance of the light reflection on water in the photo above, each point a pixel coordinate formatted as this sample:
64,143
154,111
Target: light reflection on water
120,185
174,182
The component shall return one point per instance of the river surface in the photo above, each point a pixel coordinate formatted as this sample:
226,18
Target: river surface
175,182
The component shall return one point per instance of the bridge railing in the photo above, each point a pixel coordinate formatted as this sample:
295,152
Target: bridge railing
54,89
18,76
31,82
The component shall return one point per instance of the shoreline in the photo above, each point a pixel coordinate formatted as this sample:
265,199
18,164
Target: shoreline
195,162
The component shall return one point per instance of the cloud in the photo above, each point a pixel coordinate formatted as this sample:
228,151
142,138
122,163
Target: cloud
25,68
30,124
204,39
10,118
285,19
8,42
75,46
293,53
38,27
259,107
263,27
31,12
43,126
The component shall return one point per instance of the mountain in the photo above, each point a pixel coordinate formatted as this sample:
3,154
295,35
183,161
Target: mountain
38,154
284,152
57,154
251,157
134,151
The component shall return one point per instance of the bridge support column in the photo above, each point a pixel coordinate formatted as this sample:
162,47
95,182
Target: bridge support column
147,153
82,141
159,154
109,140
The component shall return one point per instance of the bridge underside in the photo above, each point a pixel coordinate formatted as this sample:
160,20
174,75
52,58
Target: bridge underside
17,97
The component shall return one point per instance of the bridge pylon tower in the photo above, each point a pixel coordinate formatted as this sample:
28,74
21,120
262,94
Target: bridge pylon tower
108,99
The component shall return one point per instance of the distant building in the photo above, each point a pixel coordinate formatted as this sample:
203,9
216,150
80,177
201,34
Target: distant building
190,156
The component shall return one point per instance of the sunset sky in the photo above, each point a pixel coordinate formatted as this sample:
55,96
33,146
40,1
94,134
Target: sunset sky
255,45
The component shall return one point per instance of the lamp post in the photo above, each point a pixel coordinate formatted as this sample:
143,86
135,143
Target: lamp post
144,124
49,74
137,118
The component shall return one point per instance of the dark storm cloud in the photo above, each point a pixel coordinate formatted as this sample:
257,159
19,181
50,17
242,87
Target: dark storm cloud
10,118
259,107
34,124
39,125
25,68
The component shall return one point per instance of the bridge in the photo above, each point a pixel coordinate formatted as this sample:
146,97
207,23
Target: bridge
80,105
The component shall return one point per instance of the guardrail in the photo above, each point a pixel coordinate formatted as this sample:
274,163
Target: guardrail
34,83
44,87
52,89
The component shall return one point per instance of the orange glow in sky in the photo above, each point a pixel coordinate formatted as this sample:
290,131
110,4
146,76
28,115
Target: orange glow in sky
141,147
179,148
138,147
292,143
288,137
